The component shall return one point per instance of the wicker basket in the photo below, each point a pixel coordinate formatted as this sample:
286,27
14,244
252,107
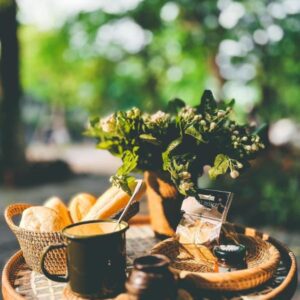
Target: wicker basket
33,243
262,260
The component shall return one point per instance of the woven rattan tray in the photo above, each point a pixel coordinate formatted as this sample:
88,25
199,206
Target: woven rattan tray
262,260
19,282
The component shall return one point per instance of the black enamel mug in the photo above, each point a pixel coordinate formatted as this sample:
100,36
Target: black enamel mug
96,258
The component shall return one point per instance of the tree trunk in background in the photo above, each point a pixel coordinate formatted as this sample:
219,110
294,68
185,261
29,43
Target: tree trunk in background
11,135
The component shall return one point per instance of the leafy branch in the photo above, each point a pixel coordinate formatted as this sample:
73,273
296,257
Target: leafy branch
178,142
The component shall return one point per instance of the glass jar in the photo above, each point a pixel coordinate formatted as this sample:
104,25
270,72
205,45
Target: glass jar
231,257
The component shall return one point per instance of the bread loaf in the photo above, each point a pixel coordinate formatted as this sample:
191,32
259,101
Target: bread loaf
57,204
80,206
111,202
41,219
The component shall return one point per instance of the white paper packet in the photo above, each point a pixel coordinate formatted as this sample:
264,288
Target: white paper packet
202,218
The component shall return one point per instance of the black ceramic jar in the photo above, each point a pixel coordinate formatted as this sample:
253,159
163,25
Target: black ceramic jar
151,279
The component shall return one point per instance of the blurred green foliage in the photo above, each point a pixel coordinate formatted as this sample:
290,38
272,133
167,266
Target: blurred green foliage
104,59
186,46
269,192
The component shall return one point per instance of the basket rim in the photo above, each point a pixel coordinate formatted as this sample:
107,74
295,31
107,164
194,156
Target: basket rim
257,271
20,207
7,288
9,215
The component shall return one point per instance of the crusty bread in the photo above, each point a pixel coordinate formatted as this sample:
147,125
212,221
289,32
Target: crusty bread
80,206
111,202
41,219
101,202
57,204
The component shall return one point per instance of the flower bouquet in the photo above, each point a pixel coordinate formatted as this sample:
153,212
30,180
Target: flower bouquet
174,146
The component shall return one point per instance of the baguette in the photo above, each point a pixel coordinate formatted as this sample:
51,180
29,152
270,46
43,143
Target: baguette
111,202
57,204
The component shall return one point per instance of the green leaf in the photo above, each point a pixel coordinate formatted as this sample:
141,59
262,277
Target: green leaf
175,105
231,103
208,103
105,144
226,104
221,165
174,144
94,121
149,138
130,160
123,182
192,131
167,164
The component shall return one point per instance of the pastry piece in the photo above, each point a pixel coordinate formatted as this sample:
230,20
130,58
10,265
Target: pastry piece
57,204
41,219
200,253
184,253
80,205
111,202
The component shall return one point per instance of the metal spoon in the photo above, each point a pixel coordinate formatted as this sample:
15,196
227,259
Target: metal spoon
136,190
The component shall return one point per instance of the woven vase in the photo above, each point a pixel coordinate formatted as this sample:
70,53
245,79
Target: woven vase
164,203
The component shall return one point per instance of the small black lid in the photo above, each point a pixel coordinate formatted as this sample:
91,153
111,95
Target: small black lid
230,252
150,263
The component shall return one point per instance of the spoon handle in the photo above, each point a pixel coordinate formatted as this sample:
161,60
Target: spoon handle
136,190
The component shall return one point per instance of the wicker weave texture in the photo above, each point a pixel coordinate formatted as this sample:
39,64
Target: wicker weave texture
33,243
262,260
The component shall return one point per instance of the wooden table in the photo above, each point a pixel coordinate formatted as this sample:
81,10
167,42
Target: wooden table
19,282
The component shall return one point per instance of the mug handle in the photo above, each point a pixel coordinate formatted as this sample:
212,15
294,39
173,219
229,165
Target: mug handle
54,277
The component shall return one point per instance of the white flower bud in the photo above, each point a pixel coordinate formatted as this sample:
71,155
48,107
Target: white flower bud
254,147
221,113
212,126
239,165
185,175
108,124
244,138
202,122
136,111
159,117
234,174
247,147
236,132
197,118
185,186
233,137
